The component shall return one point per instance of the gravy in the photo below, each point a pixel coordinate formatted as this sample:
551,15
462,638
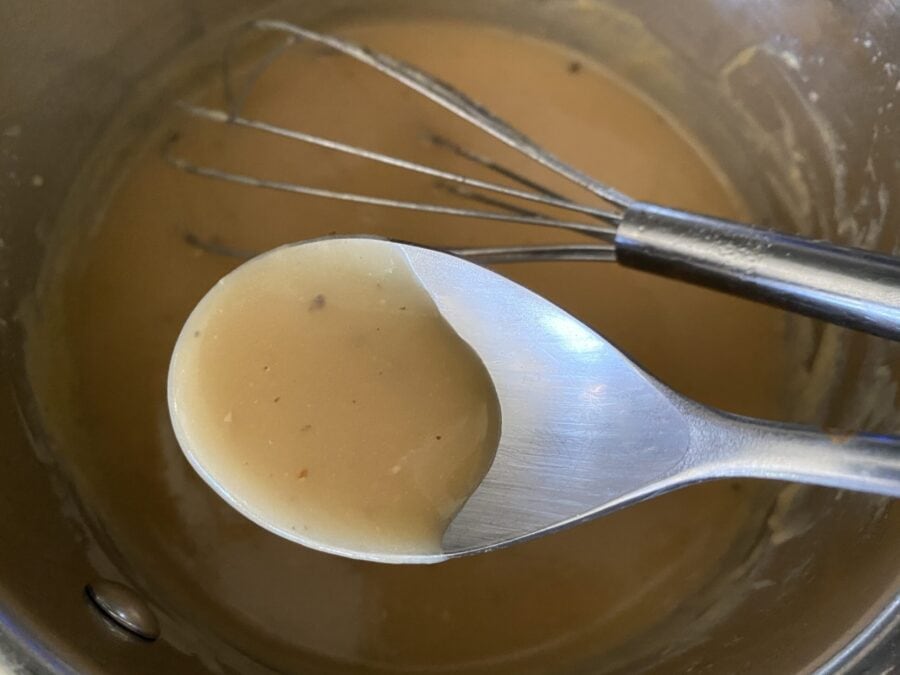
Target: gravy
117,299
320,387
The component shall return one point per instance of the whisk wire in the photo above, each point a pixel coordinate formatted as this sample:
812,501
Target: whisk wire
473,196
223,117
493,165
603,232
449,98
486,255
466,187
490,255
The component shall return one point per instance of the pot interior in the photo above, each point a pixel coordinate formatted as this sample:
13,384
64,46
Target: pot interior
779,115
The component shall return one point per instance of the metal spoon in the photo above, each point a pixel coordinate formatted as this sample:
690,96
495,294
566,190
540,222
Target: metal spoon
586,432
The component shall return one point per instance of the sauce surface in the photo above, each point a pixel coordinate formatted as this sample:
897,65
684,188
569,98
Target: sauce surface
121,293
319,386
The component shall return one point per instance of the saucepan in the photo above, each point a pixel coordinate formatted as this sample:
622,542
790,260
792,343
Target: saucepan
800,101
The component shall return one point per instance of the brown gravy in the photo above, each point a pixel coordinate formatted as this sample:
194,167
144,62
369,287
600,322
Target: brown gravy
321,389
110,318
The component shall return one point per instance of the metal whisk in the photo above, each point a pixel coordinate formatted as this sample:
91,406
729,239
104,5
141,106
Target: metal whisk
846,286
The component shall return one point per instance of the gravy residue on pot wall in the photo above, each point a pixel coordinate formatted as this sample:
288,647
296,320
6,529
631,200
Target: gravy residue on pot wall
111,315
319,387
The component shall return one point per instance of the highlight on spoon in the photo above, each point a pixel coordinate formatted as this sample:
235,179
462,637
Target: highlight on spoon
318,389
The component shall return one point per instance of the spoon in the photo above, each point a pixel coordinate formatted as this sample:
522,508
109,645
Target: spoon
586,432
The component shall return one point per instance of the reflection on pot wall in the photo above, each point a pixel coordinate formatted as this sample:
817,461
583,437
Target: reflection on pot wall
799,101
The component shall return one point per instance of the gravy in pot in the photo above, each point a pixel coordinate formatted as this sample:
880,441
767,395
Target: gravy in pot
112,311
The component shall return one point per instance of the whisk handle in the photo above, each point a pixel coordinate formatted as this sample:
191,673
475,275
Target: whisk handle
845,286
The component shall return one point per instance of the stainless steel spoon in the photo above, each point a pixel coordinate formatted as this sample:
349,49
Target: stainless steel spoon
586,432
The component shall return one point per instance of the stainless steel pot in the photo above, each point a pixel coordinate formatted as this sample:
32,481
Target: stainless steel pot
802,101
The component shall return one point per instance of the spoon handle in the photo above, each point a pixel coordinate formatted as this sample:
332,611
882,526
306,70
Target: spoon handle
750,448
846,286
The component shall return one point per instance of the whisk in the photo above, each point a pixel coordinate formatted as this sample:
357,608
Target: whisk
845,286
